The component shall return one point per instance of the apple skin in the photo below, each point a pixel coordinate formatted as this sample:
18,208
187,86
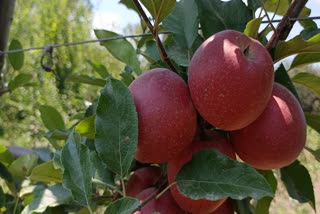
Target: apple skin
277,137
166,115
201,206
143,178
225,208
164,205
230,79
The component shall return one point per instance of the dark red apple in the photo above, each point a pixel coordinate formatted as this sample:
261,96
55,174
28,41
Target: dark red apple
225,208
164,205
277,137
143,178
166,116
201,206
230,79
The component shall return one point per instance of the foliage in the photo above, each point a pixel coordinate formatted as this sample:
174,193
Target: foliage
90,149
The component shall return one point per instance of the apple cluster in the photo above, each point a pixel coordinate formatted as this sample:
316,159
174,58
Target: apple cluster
231,87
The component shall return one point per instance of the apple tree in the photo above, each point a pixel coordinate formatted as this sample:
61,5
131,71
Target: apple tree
204,119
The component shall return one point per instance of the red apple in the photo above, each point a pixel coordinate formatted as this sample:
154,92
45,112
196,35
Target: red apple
166,116
164,205
277,137
225,208
141,179
201,206
230,79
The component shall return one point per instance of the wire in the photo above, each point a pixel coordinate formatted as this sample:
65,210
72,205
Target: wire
122,37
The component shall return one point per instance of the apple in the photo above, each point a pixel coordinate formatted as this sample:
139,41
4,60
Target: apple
201,206
143,178
166,116
164,205
225,208
230,79
277,137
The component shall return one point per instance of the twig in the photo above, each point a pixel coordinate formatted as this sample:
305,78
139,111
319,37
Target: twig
266,13
162,51
284,27
107,185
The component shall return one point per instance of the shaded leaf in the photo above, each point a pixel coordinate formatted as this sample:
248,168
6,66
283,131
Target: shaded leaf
183,22
129,4
313,120
19,81
159,9
16,59
216,15
303,59
78,169
44,153
202,178
22,167
281,7
309,32
244,206
85,79
116,127
263,204
297,45
5,174
124,205
102,173
315,153
252,28
46,173
99,68
49,197
255,4
281,76
298,183
121,49
309,80
51,118
126,75
6,157
57,134
86,127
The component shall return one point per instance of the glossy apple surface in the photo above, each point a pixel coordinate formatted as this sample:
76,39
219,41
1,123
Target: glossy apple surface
164,205
201,206
277,137
166,116
230,79
143,178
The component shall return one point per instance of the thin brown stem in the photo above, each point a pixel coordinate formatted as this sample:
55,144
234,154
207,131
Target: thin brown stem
162,51
267,15
284,27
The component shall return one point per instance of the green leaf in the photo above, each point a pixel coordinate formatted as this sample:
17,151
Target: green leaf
121,49
57,134
99,68
315,153
297,45
298,183
129,4
183,22
49,197
159,9
281,76
309,80
263,204
303,59
85,79
78,169
51,118
124,205
309,32
281,7
6,158
102,173
244,206
216,16
126,75
313,120
255,4
19,81
86,127
22,167
4,173
252,28
203,178
46,173
16,59
116,127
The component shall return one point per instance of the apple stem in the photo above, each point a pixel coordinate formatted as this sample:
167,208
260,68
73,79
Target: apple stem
154,31
284,27
94,180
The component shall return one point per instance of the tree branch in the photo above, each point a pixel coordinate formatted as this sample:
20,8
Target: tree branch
162,51
284,27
